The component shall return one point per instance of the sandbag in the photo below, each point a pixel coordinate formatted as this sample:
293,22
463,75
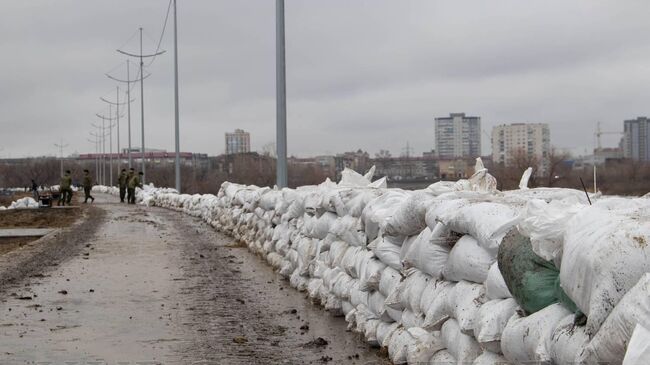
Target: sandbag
464,302
424,346
442,357
638,351
407,294
427,256
524,338
605,254
384,331
567,341
533,281
371,275
390,278
495,286
468,261
491,319
610,342
490,358
462,347
545,223
408,217
439,309
387,252
486,221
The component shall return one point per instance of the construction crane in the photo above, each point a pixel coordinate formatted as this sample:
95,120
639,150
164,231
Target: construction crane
599,133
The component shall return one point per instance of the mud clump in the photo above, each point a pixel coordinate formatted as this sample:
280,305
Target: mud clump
318,342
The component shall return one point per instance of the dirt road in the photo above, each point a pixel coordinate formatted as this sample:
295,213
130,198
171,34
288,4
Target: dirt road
151,286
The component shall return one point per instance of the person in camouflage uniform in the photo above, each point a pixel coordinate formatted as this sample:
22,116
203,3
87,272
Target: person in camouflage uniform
65,189
129,192
88,186
123,182
134,182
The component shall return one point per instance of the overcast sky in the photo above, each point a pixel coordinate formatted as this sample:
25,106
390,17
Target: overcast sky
360,74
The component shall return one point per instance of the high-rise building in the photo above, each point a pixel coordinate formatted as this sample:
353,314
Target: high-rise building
528,140
636,139
458,136
238,142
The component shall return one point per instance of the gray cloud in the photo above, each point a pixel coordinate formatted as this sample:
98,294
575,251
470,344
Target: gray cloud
360,74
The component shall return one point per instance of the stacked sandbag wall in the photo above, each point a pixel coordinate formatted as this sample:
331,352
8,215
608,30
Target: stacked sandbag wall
416,272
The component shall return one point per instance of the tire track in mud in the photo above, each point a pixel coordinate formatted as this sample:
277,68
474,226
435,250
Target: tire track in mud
246,313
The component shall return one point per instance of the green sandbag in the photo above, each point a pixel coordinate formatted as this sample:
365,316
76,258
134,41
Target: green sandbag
533,282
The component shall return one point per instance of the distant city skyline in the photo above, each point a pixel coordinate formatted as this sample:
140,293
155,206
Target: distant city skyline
359,82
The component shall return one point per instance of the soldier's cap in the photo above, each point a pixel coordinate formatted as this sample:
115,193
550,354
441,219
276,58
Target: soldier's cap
132,169
67,171
86,171
123,170
140,173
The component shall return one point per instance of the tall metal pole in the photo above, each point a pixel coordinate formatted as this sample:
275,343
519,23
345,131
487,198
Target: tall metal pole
281,96
103,153
128,98
178,153
110,145
117,106
144,174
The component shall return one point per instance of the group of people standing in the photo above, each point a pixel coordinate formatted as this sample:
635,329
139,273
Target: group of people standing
127,183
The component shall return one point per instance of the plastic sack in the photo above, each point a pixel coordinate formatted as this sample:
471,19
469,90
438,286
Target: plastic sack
387,252
524,338
462,347
439,309
605,254
638,351
389,280
384,331
533,281
408,216
424,346
371,275
609,343
491,319
487,222
567,341
426,253
545,224
442,357
468,261
490,358
495,286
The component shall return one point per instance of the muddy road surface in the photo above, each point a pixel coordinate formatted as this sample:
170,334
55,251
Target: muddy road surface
131,284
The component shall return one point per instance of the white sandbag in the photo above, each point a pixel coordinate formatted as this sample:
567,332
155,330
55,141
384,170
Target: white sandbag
605,254
495,285
336,253
390,278
370,332
348,229
410,319
439,309
350,258
464,302
491,319
322,224
462,347
638,351
424,346
610,342
342,286
384,331
397,348
442,357
387,252
409,216
371,275
425,255
567,341
490,358
357,296
313,288
346,307
376,303
392,315
486,221
468,261
524,338
408,292
441,187
545,223
351,178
